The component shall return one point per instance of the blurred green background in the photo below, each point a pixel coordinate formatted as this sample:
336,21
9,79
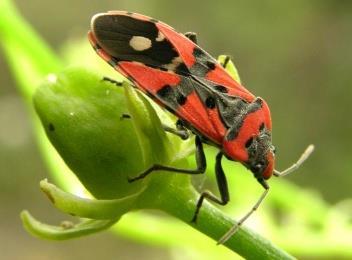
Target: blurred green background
297,55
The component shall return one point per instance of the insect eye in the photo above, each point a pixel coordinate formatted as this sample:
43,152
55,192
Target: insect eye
249,142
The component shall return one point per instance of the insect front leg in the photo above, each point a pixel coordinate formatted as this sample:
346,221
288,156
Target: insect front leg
222,185
192,36
200,160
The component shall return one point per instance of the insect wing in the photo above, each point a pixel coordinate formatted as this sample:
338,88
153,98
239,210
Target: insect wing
180,94
133,37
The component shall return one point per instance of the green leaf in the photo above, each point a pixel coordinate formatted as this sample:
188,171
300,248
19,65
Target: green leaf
65,231
87,208
152,138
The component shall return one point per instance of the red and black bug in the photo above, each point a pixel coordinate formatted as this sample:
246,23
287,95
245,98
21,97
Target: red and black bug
176,73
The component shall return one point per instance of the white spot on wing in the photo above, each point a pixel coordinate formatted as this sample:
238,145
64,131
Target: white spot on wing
140,43
174,64
160,37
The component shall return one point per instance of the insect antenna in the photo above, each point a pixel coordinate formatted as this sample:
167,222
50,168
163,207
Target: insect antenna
235,227
290,169
297,164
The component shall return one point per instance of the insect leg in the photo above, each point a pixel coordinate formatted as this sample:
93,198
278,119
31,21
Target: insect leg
192,36
117,83
222,185
200,160
225,61
235,228
180,130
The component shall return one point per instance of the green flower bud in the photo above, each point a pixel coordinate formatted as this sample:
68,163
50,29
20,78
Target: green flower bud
83,118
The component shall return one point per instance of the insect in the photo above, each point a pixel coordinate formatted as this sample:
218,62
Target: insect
180,76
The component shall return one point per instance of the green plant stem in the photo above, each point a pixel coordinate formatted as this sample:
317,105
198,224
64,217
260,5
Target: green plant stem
179,200
28,55
30,60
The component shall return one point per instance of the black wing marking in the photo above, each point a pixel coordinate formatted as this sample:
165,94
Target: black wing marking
115,34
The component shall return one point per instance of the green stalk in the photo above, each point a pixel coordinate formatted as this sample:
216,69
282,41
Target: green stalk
28,55
30,59
179,200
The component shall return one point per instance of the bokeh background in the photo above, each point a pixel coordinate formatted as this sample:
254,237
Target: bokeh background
297,55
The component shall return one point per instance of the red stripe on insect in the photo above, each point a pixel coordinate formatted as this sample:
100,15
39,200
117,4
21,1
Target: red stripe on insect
217,123
104,55
267,116
270,168
148,78
220,76
194,111
98,49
